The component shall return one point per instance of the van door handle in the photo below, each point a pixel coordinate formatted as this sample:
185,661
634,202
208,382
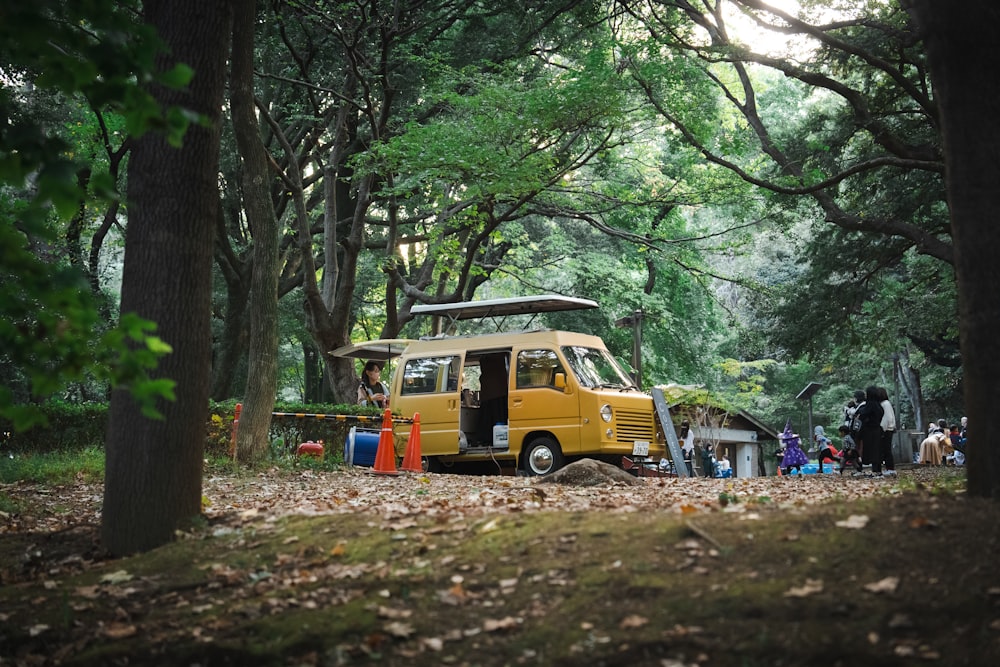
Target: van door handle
516,401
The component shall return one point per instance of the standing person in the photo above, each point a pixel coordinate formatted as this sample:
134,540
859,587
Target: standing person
708,459
888,425
794,456
851,408
372,391
687,446
870,436
824,448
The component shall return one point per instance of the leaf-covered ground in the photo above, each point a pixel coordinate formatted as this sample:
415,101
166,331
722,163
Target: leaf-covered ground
314,568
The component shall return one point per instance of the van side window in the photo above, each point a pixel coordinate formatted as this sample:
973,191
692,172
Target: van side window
430,375
537,368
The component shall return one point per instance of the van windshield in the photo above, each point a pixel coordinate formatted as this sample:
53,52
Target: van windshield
595,367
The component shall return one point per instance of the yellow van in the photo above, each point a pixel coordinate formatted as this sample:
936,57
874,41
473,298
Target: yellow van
531,399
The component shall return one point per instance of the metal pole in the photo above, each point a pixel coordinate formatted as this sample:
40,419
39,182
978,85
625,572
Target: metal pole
897,437
810,421
637,346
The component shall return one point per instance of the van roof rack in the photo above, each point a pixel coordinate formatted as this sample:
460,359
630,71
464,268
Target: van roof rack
519,305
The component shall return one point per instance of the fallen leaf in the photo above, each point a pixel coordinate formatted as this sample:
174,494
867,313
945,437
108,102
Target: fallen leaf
390,612
922,522
887,585
397,629
88,592
495,625
119,577
119,631
854,521
811,587
433,643
633,621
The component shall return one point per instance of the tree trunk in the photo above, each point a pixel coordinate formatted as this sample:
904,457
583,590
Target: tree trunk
262,377
314,380
231,348
153,469
961,40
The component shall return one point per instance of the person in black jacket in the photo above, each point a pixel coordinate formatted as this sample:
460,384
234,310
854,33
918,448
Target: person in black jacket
870,438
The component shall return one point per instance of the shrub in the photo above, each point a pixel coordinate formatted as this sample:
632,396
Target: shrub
70,426
79,426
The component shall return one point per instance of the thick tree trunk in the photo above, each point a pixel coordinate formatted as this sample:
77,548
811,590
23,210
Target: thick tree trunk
961,42
153,471
262,377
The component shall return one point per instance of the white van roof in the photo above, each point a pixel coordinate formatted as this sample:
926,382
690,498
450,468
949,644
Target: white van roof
381,349
520,305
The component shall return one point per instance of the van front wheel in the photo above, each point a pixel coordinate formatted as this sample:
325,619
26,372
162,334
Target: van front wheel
542,456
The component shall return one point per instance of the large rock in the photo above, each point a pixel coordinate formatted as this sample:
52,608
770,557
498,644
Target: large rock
588,472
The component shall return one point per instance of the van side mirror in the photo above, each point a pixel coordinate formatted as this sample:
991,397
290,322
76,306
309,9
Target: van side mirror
560,381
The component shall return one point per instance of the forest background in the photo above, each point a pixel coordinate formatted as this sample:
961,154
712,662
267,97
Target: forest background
765,183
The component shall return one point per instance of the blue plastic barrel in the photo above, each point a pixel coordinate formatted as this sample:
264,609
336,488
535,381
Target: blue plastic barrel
361,446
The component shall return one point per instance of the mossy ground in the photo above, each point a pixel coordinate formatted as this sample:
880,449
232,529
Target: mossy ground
765,586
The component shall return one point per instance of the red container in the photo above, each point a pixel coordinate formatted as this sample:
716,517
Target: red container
314,449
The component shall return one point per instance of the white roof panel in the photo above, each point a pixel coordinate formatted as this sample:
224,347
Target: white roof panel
521,305
383,348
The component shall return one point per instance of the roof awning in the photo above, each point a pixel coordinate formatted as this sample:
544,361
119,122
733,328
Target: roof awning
521,305
383,348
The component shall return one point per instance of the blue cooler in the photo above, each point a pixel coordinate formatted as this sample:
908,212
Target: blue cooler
813,468
361,446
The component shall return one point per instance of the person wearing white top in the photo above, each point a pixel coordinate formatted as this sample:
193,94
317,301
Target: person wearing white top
888,431
687,445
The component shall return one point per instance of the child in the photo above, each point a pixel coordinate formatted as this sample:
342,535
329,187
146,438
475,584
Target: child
794,456
849,452
824,448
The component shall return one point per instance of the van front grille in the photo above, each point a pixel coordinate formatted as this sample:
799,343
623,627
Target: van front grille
635,425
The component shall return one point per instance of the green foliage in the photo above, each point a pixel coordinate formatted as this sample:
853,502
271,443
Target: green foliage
93,55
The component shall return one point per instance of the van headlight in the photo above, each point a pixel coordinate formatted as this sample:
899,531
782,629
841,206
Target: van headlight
606,412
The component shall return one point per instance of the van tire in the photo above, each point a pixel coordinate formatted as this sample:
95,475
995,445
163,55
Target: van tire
431,464
542,456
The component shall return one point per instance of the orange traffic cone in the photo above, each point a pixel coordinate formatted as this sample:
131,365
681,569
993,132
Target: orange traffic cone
385,455
412,460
